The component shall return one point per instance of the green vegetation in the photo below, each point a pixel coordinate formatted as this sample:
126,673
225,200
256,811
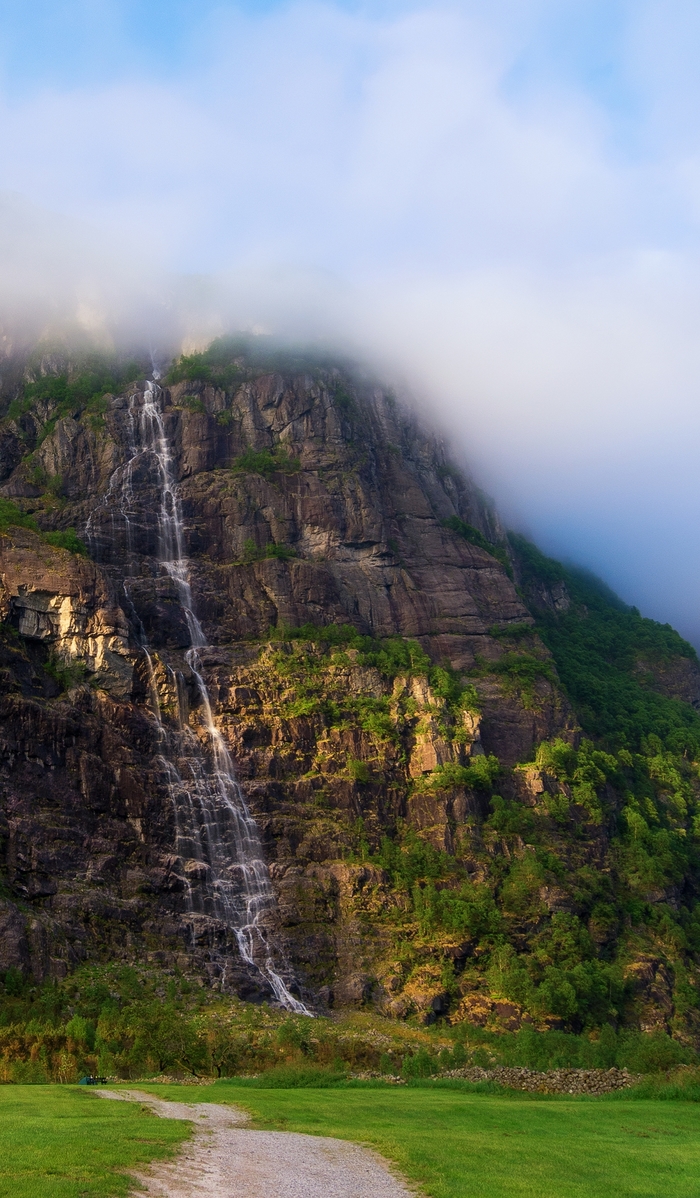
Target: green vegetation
255,553
78,393
605,654
13,517
193,403
82,392
64,1142
67,539
312,669
66,674
635,775
346,403
135,1022
391,655
452,1142
520,672
67,1142
480,773
50,484
634,811
266,462
468,533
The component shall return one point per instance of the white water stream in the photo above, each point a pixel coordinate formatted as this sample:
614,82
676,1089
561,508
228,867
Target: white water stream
216,836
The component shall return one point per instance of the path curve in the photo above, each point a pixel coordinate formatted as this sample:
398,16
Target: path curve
225,1160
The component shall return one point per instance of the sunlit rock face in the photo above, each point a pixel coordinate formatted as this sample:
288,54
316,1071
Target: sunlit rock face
307,497
63,601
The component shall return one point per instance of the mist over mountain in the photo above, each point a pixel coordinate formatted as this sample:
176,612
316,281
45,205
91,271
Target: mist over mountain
499,206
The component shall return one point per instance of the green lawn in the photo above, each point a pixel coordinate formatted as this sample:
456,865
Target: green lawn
457,1144
63,1142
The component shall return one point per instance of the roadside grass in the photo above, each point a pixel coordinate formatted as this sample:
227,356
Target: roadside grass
455,1143
63,1142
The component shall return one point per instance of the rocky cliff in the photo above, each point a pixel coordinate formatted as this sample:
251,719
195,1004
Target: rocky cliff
385,666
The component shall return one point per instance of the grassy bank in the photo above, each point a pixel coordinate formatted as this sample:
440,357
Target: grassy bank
63,1142
455,1144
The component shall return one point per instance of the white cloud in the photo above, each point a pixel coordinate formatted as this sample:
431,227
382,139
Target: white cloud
402,176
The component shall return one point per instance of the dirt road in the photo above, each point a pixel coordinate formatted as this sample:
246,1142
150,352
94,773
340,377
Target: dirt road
225,1159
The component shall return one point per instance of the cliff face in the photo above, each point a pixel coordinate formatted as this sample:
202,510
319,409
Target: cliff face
369,754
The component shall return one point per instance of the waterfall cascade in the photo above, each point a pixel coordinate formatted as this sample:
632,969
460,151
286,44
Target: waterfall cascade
216,837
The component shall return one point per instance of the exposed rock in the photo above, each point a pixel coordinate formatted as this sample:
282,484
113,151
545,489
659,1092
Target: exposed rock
63,600
343,523
552,1081
14,946
677,677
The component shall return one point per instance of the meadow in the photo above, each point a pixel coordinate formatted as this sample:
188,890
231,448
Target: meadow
452,1140
63,1142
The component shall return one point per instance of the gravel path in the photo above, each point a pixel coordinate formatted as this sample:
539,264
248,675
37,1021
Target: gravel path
225,1160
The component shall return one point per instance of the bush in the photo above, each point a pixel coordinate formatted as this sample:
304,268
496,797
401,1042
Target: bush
419,1064
193,403
480,773
11,516
392,656
468,909
266,462
232,358
66,674
679,1085
358,771
67,539
652,1053
81,392
254,553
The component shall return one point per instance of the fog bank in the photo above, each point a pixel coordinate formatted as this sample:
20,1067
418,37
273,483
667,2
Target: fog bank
499,204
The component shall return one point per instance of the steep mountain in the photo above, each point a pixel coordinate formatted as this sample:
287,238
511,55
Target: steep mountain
283,704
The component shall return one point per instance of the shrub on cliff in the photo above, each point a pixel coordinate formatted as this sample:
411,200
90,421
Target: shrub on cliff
67,539
255,553
266,462
75,392
13,517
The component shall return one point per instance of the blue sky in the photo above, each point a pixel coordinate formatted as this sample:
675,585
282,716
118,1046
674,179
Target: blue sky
63,43
500,200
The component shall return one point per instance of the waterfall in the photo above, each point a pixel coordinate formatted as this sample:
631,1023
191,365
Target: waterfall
216,837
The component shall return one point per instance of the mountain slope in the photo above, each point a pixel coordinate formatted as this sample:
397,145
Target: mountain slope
473,769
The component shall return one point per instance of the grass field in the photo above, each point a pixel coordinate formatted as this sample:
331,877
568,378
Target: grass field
63,1142
457,1144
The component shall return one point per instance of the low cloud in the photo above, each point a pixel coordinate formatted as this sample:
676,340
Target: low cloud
471,198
